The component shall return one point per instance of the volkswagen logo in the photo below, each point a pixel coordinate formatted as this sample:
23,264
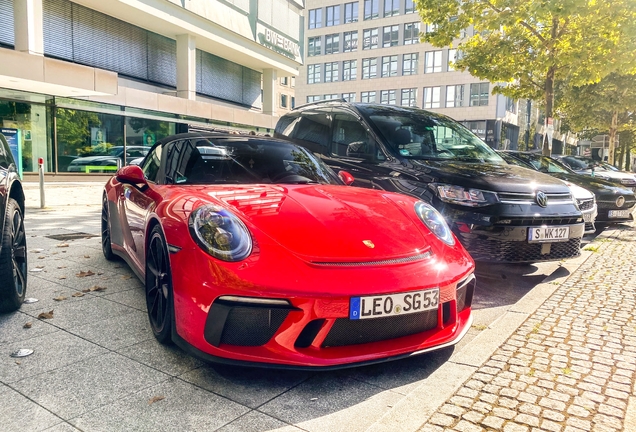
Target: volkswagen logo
620,201
542,199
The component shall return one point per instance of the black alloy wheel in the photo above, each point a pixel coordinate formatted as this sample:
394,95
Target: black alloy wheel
13,259
159,287
107,249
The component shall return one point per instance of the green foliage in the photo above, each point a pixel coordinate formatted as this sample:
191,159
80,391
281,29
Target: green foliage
528,47
74,129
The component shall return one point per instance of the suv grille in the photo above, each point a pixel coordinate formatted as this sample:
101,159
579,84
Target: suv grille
529,198
611,205
586,204
352,332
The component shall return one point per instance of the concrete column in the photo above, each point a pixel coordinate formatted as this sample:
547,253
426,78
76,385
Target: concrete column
269,91
186,67
27,22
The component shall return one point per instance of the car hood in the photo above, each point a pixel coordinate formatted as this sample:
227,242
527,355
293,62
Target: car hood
615,175
329,223
594,184
492,177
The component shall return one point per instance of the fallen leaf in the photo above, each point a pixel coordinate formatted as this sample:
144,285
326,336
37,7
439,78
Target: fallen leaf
100,273
62,277
37,250
62,245
46,315
41,257
18,362
28,324
156,399
60,298
77,294
313,399
85,273
86,290
61,267
126,277
86,256
36,269
97,288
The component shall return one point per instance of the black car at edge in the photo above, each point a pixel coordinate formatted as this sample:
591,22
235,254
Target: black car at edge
615,203
500,212
13,253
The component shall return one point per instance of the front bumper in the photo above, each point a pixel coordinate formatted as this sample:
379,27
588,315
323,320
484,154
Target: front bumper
509,244
313,330
604,208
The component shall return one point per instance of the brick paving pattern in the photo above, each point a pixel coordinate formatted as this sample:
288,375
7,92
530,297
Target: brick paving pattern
570,366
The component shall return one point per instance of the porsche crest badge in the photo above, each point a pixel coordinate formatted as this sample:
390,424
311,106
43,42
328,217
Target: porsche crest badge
368,243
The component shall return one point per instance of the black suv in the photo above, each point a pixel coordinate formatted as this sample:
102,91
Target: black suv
13,253
500,212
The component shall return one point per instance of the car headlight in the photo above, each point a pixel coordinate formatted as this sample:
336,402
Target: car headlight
435,222
220,233
467,197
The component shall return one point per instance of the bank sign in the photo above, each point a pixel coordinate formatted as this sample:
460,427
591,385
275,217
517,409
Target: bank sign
279,43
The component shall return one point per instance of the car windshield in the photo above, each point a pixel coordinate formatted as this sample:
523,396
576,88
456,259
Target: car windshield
416,134
244,161
608,167
544,163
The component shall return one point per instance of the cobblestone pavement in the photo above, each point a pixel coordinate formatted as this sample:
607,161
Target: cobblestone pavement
570,367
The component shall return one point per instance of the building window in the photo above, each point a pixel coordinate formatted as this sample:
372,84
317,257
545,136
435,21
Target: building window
387,97
313,99
454,96
431,28
433,61
409,7
350,42
351,12
479,94
389,66
293,102
432,97
314,46
367,97
370,39
284,81
332,43
409,64
511,105
283,101
369,68
293,81
371,8
333,15
409,97
331,96
331,72
390,36
315,18
452,57
313,74
349,70
391,7
349,97
411,33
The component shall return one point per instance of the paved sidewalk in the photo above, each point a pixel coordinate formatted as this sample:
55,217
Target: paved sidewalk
570,366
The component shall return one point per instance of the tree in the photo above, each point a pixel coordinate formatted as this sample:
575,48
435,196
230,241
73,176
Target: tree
608,105
529,46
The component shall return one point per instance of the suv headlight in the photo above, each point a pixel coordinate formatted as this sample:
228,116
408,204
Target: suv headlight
466,197
435,222
220,233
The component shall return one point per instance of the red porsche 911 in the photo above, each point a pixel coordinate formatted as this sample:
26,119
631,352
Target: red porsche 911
253,251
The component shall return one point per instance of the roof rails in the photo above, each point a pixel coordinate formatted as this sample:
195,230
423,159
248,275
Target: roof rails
322,101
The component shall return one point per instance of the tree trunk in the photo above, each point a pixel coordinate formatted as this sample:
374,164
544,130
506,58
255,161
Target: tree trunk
549,102
612,137
620,157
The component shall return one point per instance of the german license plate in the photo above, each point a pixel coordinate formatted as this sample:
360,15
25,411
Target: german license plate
618,213
393,304
548,234
587,217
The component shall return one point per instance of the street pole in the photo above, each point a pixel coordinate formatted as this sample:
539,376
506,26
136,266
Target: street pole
41,171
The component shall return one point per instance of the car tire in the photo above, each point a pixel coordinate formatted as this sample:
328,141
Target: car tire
13,259
107,249
158,283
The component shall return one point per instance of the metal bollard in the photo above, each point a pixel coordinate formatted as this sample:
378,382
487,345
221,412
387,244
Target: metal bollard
41,171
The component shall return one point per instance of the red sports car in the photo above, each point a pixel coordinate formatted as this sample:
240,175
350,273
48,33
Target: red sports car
254,252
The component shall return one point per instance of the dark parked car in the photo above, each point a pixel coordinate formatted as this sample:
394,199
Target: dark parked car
108,162
500,212
615,202
603,170
13,255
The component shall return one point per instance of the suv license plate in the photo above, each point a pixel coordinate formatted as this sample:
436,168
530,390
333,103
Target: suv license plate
618,213
393,304
547,234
